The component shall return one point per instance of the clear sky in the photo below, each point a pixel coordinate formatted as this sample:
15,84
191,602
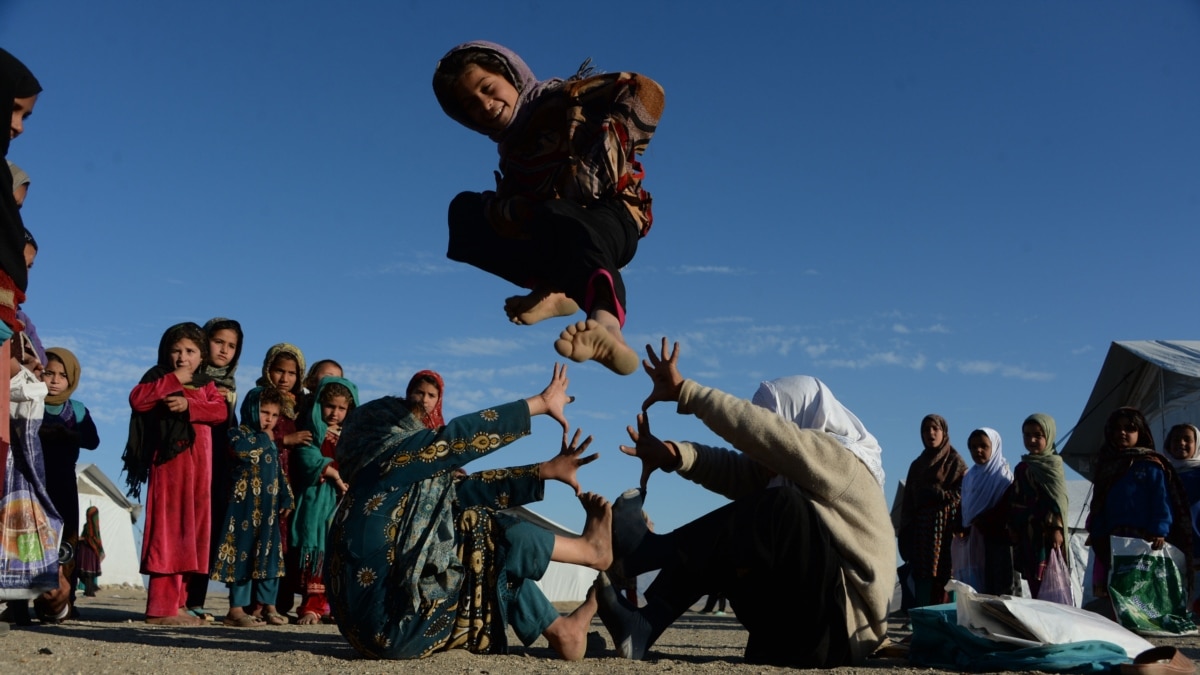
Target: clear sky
947,207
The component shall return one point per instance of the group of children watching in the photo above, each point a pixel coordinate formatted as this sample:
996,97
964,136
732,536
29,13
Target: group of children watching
1016,520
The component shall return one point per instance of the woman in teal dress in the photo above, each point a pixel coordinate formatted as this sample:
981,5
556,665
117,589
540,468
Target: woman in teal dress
422,561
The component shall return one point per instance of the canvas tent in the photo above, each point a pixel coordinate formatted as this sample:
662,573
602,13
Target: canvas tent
122,559
562,582
1159,377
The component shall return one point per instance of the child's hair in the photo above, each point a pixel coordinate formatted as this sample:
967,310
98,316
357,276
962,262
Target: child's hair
1134,417
270,395
29,239
334,390
456,63
978,433
422,378
1179,429
310,380
182,331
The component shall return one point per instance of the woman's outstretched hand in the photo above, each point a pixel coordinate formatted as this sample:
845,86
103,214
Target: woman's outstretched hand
654,453
566,463
553,399
664,373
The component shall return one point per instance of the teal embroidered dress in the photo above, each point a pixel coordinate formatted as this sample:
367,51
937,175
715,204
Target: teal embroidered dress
420,560
248,540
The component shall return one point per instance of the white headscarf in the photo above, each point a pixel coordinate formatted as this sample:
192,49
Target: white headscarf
984,484
808,402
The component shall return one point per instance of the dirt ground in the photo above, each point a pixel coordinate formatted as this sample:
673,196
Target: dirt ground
110,637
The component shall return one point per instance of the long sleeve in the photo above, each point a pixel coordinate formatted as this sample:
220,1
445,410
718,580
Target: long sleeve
206,405
145,396
463,439
502,488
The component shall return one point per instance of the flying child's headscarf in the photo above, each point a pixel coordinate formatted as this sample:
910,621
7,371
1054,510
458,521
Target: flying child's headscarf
71,365
527,85
811,405
985,483
431,420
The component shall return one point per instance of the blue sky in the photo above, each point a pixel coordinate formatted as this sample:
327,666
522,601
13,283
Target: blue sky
934,207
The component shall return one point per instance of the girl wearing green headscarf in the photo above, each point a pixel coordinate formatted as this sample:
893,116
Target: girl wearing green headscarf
1037,502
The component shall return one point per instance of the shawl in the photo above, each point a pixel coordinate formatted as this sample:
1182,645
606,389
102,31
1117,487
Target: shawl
1180,465
811,405
936,467
71,365
159,429
91,532
986,483
433,420
374,430
519,73
1046,469
223,376
16,81
289,397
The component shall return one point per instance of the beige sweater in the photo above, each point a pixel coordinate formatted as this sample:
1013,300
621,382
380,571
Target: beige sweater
841,490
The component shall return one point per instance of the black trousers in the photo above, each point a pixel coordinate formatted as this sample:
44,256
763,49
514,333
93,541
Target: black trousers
771,556
568,245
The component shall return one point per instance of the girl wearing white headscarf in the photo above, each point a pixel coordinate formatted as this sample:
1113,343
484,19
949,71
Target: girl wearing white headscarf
983,515
805,551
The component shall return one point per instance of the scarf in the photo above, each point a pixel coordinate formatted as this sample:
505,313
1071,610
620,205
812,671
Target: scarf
938,466
91,532
289,397
71,365
159,435
374,430
519,73
1180,465
1046,468
986,483
16,81
432,420
223,376
811,405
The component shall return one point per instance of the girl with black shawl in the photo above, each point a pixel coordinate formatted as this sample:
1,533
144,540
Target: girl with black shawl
930,513
170,449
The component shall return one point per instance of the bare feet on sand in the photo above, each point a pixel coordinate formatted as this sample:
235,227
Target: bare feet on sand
568,634
308,619
597,530
540,304
591,341
183,618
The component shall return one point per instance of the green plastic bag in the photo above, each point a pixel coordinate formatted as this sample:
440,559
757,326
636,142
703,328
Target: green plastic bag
1148,589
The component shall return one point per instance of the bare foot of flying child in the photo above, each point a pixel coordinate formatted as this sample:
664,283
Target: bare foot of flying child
568,634
538,305
592,340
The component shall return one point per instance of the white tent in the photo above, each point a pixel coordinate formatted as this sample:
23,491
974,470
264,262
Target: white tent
1161,378
117,516
562,582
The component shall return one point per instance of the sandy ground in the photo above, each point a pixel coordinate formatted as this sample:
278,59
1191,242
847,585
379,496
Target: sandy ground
110,637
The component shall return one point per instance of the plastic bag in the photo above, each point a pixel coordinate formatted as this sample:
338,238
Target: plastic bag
1148,588
1056,580
967,558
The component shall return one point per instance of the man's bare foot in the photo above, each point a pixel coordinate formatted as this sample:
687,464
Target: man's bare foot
590,341
597,530
568,634
308,619
180,619
539,305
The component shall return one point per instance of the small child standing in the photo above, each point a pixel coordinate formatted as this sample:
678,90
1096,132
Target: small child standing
1037,502
1181,451
67,427
170,449
984,511
248,557
318,486
569,207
